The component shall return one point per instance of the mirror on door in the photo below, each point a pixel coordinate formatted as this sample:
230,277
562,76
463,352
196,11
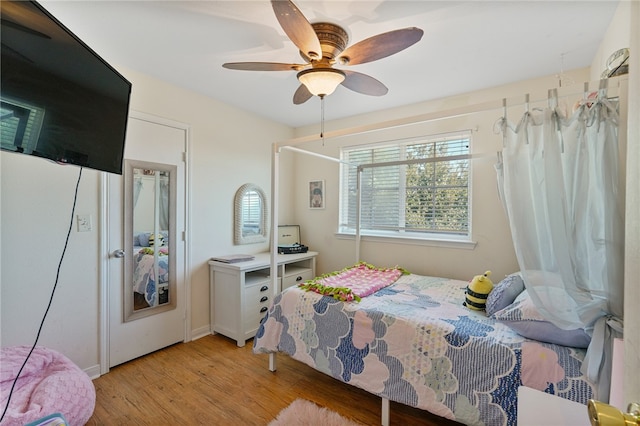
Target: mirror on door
149,233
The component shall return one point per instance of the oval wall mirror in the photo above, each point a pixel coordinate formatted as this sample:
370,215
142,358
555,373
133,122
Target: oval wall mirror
250,208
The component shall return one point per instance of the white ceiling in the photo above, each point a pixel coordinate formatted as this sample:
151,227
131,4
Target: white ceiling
467,45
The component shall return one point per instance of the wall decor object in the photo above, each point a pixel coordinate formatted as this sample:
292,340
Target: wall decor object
316,194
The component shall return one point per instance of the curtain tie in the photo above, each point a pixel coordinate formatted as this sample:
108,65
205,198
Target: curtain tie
597,362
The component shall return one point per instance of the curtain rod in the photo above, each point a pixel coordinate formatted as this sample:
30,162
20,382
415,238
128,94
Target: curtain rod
445,114
315,154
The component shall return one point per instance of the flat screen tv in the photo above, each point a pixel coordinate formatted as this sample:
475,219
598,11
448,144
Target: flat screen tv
60,100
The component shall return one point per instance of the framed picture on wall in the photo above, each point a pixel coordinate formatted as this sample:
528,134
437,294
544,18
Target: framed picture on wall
316,194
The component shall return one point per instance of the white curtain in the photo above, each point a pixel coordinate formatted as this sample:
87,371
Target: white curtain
137,187
164,203
560,183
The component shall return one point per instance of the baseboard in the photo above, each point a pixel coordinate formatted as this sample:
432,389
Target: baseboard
200,332
93,372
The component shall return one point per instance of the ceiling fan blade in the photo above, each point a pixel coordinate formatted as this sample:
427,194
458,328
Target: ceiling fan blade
381,45
263,66
297,28
364,84
25,29
302,95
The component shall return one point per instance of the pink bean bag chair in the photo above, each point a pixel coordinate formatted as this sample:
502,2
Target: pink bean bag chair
49,383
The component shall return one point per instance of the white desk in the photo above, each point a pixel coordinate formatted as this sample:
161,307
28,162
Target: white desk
242,292
536,408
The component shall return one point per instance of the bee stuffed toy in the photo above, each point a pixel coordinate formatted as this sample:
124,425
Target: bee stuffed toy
156,240
477,292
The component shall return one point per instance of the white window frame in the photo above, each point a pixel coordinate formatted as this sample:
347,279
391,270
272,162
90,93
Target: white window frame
429,238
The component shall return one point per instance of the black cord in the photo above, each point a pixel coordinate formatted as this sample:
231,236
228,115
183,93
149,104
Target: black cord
66,242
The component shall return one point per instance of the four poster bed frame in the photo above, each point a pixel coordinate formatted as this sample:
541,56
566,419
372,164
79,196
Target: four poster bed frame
435,376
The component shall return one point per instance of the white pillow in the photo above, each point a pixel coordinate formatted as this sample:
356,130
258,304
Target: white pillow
523,317
504,293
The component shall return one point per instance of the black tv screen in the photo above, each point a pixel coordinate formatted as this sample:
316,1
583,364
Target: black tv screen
60,100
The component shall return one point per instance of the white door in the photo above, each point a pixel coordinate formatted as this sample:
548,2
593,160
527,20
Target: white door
146,227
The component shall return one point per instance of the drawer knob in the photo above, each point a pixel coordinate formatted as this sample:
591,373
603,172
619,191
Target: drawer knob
264,288
263,309
263,299
298,278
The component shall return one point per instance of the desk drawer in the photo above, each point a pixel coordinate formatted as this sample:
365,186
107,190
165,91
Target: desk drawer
257,301
296,277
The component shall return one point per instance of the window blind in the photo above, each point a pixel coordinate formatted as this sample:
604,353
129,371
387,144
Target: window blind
19,126
420,186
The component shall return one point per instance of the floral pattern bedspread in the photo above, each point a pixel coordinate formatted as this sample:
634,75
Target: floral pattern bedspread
414,343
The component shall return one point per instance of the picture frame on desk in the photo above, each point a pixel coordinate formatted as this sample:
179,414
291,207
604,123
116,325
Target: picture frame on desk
316,194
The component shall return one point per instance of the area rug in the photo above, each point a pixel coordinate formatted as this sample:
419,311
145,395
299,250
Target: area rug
305,413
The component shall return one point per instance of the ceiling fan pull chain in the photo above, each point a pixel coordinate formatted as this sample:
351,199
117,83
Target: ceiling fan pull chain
322,119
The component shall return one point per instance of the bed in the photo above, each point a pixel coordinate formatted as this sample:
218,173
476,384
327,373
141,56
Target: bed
146,279
412,341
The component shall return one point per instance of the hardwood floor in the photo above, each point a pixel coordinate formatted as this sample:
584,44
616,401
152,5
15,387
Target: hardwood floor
211,381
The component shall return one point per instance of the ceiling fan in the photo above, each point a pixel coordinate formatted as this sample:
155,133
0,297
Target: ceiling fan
323,45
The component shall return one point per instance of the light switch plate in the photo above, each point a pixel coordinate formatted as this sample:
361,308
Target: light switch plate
84,222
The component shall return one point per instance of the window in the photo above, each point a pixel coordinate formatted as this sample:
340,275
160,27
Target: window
19,126
416,188
252,212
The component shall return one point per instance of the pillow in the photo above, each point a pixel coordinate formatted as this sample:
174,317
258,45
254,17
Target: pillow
143,239
524,318
504,293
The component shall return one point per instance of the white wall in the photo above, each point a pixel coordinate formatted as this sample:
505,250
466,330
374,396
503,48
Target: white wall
494,249
228,148
36,198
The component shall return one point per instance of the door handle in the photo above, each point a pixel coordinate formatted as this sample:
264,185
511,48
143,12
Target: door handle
118,253
601,414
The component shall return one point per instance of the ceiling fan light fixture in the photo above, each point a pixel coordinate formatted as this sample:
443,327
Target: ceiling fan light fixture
321,81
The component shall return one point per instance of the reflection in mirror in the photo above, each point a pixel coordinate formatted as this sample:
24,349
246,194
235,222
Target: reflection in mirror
149,230
250,215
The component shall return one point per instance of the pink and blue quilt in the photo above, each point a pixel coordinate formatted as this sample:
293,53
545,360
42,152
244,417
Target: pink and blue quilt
414,342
